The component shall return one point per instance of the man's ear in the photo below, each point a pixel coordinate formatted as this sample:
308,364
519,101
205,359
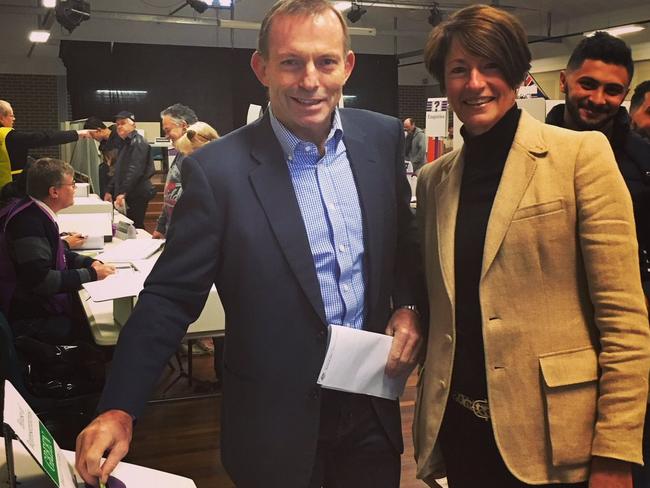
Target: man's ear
563,81
258,65
350,59
53,192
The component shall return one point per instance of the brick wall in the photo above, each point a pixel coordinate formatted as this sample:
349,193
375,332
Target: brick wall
412,103
34,100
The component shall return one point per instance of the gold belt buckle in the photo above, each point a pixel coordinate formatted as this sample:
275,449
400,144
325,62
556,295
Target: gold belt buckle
481,409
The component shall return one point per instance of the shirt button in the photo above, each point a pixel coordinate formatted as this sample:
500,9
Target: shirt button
345,287
309,148
331,206
443,384
448,338
342,248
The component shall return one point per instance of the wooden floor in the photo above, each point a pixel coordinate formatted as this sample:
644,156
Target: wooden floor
182,437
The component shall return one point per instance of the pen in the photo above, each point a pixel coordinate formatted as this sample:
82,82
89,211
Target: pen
125,266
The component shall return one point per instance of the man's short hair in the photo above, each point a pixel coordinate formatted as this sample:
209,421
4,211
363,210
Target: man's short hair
180,113
4,108
639,95
485,32
94,123
45,173
297,8
604,47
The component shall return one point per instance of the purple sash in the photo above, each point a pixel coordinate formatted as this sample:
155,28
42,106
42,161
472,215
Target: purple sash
56,304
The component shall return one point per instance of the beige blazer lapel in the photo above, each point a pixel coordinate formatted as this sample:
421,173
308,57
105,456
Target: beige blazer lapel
447,194
520,166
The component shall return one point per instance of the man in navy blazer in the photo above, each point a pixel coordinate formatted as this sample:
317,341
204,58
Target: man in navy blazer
301,220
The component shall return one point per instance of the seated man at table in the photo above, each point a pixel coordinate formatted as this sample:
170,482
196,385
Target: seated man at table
38,275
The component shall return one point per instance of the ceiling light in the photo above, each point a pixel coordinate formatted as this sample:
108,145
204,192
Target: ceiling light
355,13
342,6
71,13
39,36
199,5
48,3
618,31
435,16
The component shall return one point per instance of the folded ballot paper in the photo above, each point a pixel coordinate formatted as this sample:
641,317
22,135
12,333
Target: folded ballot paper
355,362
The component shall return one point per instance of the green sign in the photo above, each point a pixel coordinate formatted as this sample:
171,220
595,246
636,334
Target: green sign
48,454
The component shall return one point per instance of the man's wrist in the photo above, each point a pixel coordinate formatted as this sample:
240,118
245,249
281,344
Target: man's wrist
409,306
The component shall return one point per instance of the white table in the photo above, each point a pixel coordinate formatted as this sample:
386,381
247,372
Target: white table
105,330
211,322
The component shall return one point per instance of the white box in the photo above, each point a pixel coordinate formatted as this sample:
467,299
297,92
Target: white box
82,190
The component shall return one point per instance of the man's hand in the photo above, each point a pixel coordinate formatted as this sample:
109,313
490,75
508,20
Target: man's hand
610,473
102,270
75,240
119,200
157,235
86,133
112,431
404,326
108,197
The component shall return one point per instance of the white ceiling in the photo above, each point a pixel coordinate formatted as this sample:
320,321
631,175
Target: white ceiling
398,30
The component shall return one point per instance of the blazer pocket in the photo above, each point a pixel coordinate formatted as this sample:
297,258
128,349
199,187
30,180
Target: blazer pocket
570,380
539,209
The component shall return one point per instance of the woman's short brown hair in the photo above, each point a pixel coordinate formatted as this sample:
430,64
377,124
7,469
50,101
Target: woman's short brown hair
485,32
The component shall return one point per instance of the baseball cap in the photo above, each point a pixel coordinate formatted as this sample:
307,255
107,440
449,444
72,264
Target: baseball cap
125,114
94,123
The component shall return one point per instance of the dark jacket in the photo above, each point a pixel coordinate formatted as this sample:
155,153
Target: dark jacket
632,154
133,168
19,142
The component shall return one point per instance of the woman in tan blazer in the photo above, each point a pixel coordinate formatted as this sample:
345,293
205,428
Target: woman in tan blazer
538,349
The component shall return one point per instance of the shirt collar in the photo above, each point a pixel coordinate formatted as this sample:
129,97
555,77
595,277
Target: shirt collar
290,141
45,208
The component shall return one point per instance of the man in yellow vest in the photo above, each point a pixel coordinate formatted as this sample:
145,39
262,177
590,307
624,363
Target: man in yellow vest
14,144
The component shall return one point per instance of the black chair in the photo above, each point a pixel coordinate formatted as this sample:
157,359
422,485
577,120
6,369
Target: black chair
64,418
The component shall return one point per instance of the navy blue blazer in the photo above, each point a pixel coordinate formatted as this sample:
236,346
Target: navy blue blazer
238,225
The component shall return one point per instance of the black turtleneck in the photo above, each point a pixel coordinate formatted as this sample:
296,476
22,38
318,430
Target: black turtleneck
485,157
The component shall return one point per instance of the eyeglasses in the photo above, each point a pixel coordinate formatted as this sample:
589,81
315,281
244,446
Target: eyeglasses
73,184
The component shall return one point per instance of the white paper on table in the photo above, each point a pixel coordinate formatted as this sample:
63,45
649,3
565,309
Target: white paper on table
93,242
355,362
122,284
131,249
36,438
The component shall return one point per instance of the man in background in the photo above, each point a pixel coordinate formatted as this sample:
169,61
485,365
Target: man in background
14,144
640,109
130,187
415,145
595,83
175,121
39,276
109,145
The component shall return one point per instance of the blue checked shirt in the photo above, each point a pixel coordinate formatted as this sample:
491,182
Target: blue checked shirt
329,204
